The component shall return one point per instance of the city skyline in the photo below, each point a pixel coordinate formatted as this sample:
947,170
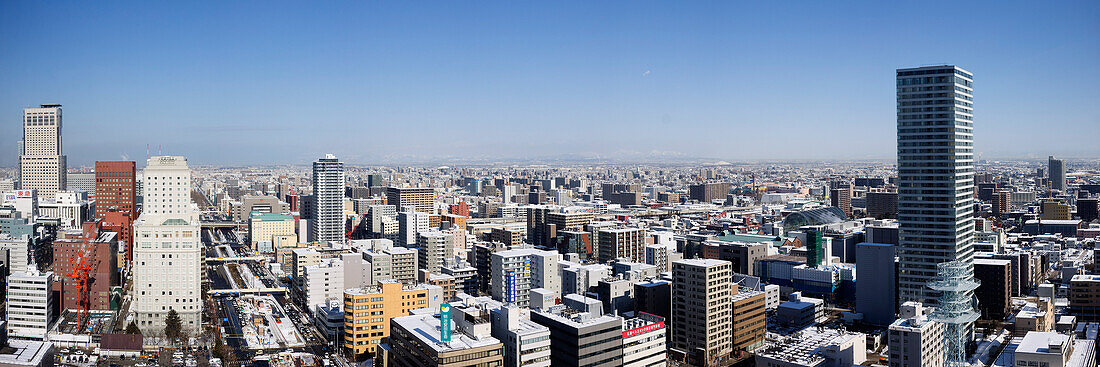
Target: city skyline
385,84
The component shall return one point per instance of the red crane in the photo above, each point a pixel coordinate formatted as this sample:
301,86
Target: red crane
80,270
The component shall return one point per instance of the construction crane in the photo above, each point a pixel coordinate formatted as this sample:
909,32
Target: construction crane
80,270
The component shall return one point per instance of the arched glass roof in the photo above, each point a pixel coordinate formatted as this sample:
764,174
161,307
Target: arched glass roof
813,217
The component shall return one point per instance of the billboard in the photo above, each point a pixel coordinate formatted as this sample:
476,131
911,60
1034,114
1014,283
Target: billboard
445,322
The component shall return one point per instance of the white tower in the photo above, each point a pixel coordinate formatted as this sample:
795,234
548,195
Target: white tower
167,249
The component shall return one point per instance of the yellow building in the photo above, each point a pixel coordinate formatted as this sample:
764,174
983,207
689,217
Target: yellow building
263,227
367,311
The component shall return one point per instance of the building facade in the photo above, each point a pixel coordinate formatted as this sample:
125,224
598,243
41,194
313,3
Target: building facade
167,248
935,174
328,205
42,161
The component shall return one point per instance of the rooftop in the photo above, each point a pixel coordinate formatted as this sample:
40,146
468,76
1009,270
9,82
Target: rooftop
265,217
426,328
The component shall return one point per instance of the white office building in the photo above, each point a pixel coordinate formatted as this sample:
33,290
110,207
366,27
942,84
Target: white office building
29,307
168,248
328,201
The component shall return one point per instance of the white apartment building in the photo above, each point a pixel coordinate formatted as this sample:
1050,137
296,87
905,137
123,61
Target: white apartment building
168,249
42,161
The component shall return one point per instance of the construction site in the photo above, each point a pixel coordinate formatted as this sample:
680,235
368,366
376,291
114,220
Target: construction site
263,324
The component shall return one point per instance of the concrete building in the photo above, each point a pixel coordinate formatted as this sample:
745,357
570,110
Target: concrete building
932,232
800,312
403,264
842,198
882,204
249,204
411,223
368,311
15,253
263,228
434,248
653,297
513,273
1055,210
701,309
421,199
581,335
748,316
417,340
323,282
1051,349
1084,297
876,283
526,343
708,192
644,341
327,224
30,306
1057,171
167,266
914,340
42,161
814,348
621,242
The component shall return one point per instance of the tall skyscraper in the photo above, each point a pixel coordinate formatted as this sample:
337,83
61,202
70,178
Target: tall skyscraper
167,248
935,174
42,163
328,204
1057,169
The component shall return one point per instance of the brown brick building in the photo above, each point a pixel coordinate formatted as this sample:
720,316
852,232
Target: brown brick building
100,250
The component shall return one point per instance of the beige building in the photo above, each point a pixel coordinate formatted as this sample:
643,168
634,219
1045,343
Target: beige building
42,163
265,227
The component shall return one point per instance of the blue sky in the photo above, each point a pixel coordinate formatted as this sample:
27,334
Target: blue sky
386,82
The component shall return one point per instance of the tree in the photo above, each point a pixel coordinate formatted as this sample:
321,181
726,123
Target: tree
172,325
220,349
133,328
